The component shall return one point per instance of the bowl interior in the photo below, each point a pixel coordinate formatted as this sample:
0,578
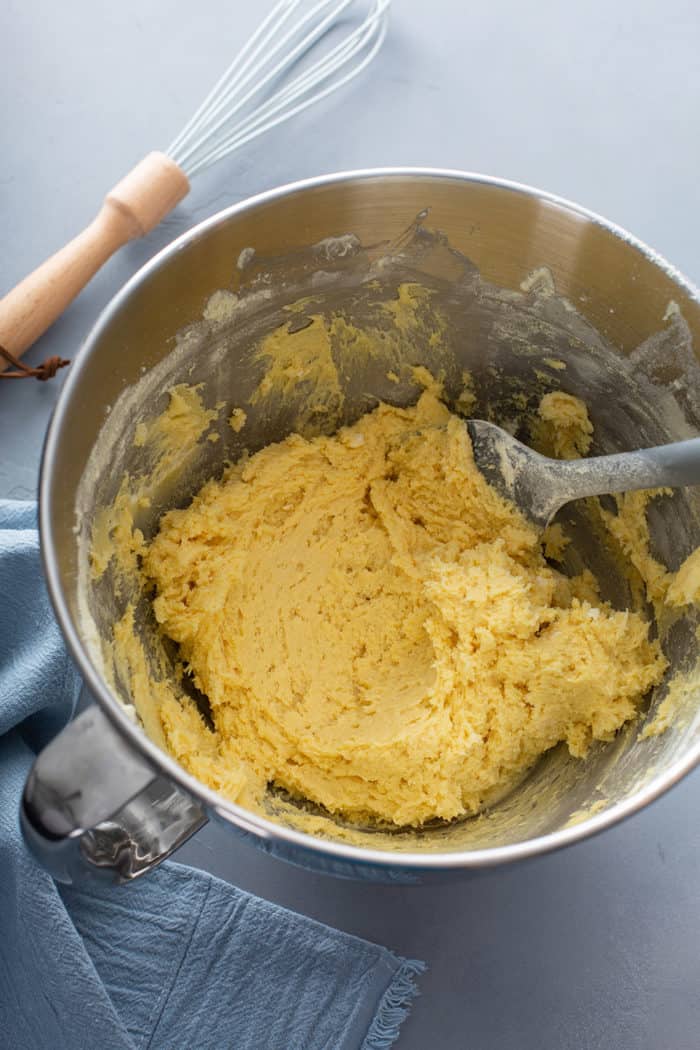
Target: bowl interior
528,294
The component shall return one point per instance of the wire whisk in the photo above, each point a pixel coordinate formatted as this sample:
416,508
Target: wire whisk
293,60
230,116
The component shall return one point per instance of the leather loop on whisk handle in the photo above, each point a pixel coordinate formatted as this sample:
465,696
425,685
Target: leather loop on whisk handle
131,209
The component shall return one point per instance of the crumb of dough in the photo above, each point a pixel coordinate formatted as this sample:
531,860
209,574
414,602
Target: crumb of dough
555,542
563,428
681,689
588,811
684,588
237,420
555,363
667,591
466,402
423,378
392,377
629,526
378,632
221,306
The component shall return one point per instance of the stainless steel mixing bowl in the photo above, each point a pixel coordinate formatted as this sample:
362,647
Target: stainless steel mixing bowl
524,278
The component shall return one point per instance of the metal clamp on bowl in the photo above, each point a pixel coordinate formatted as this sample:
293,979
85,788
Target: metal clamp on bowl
95,810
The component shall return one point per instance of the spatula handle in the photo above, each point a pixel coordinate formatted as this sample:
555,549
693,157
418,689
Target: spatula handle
131,209
665,466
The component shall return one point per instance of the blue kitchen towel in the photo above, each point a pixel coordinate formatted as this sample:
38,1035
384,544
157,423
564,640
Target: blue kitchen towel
179,960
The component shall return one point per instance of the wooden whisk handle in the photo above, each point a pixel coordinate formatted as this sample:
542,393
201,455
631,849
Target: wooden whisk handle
131,209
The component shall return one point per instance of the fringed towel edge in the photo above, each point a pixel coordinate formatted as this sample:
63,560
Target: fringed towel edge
395,1006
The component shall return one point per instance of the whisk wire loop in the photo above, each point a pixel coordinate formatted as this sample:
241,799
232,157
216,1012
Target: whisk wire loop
212,132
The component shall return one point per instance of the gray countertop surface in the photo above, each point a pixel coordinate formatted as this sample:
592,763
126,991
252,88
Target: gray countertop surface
594,947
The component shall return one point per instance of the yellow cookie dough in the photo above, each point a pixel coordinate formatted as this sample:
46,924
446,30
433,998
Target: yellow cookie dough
378,632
